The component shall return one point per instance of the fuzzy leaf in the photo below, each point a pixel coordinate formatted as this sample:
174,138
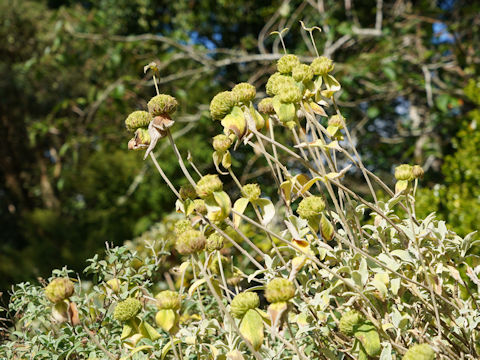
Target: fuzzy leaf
368,336
166,319
251,328
239,207
268,210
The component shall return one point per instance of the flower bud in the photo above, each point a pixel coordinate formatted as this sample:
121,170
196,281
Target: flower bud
302,73
214,242
127,309
168,300
289,93
310,207
222,104
207,185
162,104
420,352
349,321
181,226
286,63
59,289
137,119
404,172
417,172
222,143
189,242
322,65
251,191
279,290
243,302
188,192
244,92
266,106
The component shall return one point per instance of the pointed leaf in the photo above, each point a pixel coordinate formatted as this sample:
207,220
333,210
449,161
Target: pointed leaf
239,206
268,210
251,328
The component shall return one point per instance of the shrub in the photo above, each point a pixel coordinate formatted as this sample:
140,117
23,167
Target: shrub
344,276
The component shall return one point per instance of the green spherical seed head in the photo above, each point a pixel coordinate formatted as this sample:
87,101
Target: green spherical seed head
251,191
222,143
322,65
127,309
349,321
162,104
142,136
417,172
59,289
168,300
207,185
188,192
279,290
310,207
222,104
404,172
190,242
266,106
278,81
420,352
244,92
286,63
289,93
302,73
137,119
181,226
243,302
214,242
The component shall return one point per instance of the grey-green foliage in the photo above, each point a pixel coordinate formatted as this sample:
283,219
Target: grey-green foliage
406,279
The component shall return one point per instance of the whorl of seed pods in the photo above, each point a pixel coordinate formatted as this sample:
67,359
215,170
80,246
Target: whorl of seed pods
322,65
276,82
243,302
244,92
310,207
190,242
138,119
265,106
279,290
222,104
181,226
208,184
168,299
222,143
127,309
417,172
59,289
302,73
251,191
404,172
162,104
214,242
286,63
